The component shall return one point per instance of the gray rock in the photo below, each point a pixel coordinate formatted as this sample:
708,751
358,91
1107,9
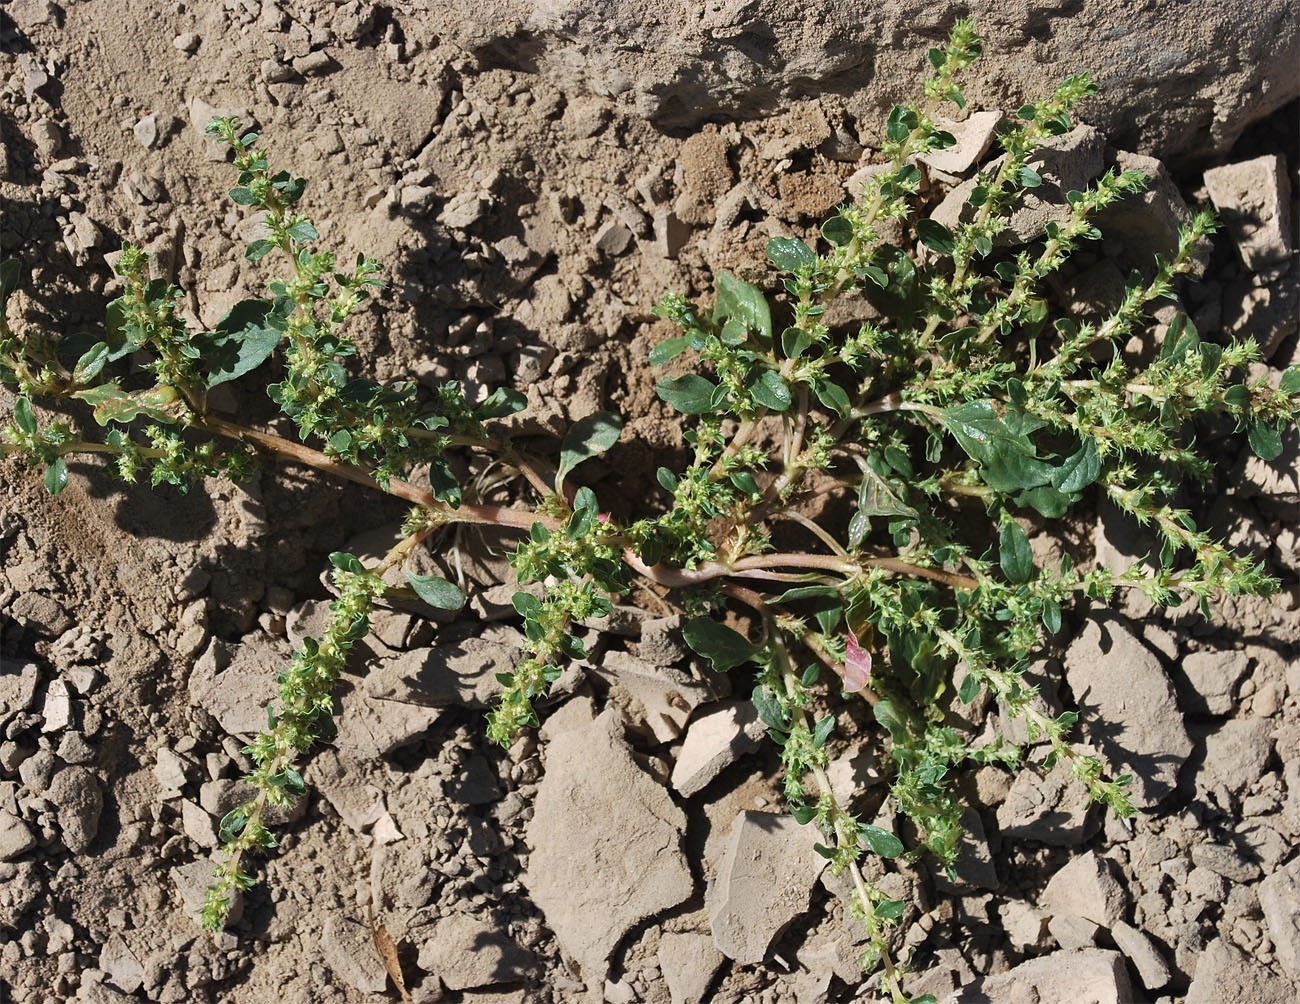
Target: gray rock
1147,221
17,686
1253,198
187,41
1065,162
975,867
1225,861
1089,976
1152,968
1213,677
612,239
661,641
314,64
1127,705
146,131
689,962
973,136
1087,888
463,211
191,881
220,796
763,883
599,816
198,825
1224,971
1210,72
464,952
713,742
1267,314
235,684
1071,931
76,794
1023,923
462,673
171,769
120,964
15,836
350,952
1237,755
1279,897
1051,808
662,699
670,233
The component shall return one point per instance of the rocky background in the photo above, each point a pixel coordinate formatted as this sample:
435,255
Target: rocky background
533,179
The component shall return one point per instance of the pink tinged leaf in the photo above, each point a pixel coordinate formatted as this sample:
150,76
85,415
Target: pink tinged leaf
857,666
603,517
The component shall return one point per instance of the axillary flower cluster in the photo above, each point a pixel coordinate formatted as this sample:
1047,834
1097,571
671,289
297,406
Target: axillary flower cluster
853,543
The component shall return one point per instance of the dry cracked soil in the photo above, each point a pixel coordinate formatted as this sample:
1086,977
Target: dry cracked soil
533,177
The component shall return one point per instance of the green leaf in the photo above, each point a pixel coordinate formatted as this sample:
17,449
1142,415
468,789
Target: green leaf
1051,616
794,341
258,250
882,842
436,591
935,236
970,688
1078,470
112,404
345,562
1014,554
1290,383
241,196
501,402
838,231
742,302
1265,441
91,363
690,394
769,708
997,436
232,823
302,231
24,417
1029,178
718,643
239,343
790,253
770,391
56,476
667,480
822,731
588,438
527,604
888,715
292,782
745,482
832,395
803,814
889,909
668,350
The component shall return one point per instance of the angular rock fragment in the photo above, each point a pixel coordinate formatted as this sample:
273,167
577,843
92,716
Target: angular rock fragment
1072,931
689,961
79,800
1088,976
349,951
1146,221
1087,887
661,698
1224,860
1238,754
1152,968
16,836
1052,808
464,952
1223,972
713,742
120,964
762,883
1253,198
599,816
1213,677
973,136
462,673
1127,705
975,867
1279,897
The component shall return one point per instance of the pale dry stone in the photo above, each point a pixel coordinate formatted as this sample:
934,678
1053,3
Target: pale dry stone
1224,971
1279,897
1190,70
1237,755
713,742
763,883
1086,976
465,952
1127,704
16,836
191,881
1152,968
1087,888
973,136
599,816
1213,679
79,800
689,961
462,673
1226,861
1051,808
1253,199
975,867
1065,162
660,698
120,964
350,953
1070,931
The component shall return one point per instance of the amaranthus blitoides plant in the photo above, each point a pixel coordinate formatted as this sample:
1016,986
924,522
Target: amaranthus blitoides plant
963,405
